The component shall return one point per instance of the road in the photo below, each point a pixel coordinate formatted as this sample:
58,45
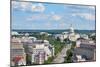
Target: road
61,55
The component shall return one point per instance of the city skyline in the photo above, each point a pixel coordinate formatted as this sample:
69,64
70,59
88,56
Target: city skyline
48,16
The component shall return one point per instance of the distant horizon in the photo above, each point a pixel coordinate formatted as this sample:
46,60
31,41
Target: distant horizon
49,29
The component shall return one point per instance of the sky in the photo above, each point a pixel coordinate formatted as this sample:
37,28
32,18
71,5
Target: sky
48,16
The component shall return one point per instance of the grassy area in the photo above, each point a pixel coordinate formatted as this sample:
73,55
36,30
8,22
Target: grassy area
28,59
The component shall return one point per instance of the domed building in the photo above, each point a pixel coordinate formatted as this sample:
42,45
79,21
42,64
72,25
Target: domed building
72,35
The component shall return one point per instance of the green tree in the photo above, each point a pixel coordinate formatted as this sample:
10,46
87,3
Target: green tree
58,39
50,59
28,59
73,45
68,57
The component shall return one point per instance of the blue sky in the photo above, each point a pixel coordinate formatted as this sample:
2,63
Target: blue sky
30,15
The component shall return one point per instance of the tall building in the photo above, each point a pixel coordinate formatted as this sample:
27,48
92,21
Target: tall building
18,55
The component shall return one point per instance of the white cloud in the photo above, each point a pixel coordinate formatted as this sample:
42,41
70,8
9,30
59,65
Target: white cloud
28,6
39,7
62,25
21,5
41,16
37,17
91,7
86,16
15,4
25,6
56,17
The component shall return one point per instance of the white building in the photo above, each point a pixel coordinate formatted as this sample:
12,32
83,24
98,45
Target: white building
14,33
93,34
45,33
71,35
33,38
80,58
84,36
36,47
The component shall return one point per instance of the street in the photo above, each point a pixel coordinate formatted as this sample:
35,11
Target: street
61,55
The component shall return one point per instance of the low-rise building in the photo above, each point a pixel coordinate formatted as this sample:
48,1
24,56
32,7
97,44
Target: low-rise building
45,33
84,36
31,47
14,33
34,48
38,56
84,51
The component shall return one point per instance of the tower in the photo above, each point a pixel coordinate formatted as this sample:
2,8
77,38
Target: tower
71,30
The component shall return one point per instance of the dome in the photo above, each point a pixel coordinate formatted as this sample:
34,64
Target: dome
71,29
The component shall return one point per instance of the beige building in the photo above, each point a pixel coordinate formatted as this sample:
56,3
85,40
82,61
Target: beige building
18,56
22,46
34,48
